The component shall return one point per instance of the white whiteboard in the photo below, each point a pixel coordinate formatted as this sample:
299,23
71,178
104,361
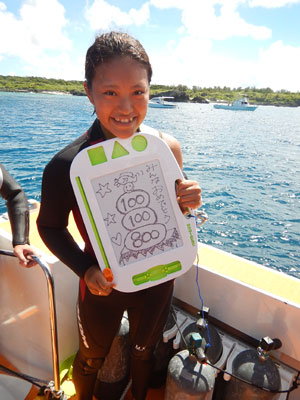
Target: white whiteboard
137,212
125,190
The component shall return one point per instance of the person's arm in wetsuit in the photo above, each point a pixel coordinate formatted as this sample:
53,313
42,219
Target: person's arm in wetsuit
57,202
18,212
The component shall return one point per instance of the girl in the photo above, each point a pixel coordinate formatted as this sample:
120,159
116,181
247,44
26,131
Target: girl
118,75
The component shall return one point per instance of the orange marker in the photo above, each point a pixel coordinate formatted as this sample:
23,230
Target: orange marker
108,274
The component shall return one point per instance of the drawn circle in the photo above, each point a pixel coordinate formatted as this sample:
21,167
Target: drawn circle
146,237
154,234
139,217
135,235
137,243
139,143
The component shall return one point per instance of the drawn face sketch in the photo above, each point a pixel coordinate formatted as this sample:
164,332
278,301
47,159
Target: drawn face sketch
138,212
126,179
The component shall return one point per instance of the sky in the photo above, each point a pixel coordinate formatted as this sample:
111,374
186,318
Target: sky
205,43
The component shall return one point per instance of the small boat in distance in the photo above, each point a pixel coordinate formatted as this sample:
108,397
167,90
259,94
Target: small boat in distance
241,104
159,102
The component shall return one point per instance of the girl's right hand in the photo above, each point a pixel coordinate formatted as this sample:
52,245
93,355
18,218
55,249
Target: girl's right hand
23,252
96,282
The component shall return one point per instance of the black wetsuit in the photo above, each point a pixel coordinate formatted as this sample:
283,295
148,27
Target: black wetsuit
98,316
17,207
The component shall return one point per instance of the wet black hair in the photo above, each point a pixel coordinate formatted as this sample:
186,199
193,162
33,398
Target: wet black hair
110,45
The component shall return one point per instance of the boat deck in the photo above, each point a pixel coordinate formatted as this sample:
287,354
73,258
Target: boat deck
270,299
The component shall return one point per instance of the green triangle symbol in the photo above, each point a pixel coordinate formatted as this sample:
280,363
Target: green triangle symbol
118,151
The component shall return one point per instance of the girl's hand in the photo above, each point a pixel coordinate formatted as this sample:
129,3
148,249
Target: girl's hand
188,194
23,252
96,282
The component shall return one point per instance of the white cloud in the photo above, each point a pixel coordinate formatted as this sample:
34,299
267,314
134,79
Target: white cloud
199,19
200,68
279,67
272,3
39,28
103,16
192,58
164,4
44,21
59,67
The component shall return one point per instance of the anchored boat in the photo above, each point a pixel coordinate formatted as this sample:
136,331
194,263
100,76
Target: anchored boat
250,307
159,102
241,104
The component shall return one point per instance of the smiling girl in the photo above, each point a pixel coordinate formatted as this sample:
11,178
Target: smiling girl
118,74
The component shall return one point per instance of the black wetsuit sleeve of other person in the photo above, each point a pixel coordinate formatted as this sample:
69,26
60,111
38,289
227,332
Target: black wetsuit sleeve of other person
17,207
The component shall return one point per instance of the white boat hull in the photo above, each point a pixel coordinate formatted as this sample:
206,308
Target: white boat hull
234,108
157,105
244,296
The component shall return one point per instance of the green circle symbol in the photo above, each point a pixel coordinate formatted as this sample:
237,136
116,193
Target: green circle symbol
139,143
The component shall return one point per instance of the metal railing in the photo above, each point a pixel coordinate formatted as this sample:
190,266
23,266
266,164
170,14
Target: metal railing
54,386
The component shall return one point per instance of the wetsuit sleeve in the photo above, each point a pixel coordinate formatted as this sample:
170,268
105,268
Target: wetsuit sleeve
57,202
17,207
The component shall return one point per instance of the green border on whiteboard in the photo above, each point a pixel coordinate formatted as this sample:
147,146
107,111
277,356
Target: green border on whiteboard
92,221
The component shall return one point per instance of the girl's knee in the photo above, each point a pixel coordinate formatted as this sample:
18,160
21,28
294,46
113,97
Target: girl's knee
88,366
141,352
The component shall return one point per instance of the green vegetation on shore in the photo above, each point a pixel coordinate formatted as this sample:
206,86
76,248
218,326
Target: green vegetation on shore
196,94
38,85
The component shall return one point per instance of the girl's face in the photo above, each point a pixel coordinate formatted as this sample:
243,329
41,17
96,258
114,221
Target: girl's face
120,94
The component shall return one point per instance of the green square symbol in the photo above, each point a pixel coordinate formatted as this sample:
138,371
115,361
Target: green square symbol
97,155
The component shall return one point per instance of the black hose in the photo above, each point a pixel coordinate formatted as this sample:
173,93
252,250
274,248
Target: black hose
25,377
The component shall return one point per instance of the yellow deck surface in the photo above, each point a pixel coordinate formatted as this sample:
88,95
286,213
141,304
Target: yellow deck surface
35,239
263,278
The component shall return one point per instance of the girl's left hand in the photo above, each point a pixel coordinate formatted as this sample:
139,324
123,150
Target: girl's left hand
188,194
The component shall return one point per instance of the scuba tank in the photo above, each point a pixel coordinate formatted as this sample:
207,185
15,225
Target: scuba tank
190,377
162,355
211,340
255,375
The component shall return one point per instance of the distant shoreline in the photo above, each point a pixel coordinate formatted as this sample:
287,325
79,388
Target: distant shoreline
157,94
180,93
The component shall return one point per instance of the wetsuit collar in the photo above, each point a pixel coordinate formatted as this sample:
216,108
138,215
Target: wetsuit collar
95,134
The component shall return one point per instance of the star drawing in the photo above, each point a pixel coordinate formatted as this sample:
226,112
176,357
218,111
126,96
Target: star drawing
103,189
110,219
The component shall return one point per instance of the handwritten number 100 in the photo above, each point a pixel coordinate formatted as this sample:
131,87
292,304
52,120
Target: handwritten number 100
132,202
138,218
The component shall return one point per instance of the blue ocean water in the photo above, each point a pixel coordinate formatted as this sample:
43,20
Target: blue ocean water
247,163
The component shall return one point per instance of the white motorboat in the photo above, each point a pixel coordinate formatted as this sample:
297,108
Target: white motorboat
159,102
247,301
241,104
